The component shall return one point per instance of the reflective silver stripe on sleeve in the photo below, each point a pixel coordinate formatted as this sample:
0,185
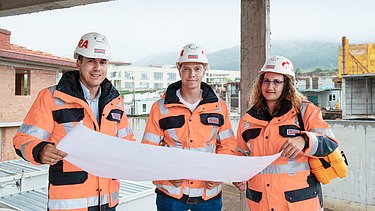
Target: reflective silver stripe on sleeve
124,132
171,189
162,108
115,196
152,137
315,143
34,131
225,134
77,203
22,149
290,168
325,131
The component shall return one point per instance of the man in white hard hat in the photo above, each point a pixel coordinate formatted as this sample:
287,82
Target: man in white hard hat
80,96
190,116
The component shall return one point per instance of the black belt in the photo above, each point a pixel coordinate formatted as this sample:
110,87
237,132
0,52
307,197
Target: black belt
186,199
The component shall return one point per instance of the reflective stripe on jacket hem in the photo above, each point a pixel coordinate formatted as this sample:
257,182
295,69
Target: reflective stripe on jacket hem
196,192
80,203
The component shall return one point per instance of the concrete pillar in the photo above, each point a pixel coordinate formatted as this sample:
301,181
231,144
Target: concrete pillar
255,44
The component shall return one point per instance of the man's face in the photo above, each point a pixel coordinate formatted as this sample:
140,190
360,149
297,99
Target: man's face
92,72
191,74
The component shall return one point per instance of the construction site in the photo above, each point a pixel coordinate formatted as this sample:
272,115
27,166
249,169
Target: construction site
346,99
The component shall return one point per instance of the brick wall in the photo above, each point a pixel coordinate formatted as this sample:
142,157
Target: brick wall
13,108
7,150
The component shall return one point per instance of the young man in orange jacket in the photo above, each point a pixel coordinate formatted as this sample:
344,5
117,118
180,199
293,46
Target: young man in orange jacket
80,96
190,116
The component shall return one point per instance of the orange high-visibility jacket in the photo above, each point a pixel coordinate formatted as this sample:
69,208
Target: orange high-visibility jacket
54,113
207,129
286,184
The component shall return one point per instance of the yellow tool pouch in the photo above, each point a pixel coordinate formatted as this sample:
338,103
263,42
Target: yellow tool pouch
329,167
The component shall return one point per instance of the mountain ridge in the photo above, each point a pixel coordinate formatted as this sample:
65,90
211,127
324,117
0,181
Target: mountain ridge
304,55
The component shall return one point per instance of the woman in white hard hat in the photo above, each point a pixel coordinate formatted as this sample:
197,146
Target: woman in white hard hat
190,116
281,119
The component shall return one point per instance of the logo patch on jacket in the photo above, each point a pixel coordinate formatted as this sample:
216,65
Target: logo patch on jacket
115,115
289,130
292,132
213,120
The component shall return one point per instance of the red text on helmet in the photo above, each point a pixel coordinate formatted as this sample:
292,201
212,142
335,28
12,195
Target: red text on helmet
83,43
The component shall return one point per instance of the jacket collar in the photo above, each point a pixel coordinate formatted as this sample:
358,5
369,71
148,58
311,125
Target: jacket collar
69,84
208,94
263,114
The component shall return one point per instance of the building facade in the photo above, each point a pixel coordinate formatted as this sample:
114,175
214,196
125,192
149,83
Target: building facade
356,71
23,73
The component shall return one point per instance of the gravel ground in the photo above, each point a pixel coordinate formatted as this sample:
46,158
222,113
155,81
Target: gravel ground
231,198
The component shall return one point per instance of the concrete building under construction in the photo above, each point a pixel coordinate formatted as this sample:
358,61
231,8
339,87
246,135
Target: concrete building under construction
356,71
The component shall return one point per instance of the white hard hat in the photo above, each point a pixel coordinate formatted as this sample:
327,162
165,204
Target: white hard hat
192,53
279,64
93,45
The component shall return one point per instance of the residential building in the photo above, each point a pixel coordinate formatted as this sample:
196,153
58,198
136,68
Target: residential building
319,88
23,73
127,77
141,103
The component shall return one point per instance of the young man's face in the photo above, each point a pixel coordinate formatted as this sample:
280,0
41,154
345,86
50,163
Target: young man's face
191,74
92,71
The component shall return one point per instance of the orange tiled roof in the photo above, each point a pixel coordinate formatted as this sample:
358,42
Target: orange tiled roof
22,53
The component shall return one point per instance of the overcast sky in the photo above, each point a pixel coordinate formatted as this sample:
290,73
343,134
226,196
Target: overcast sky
139,28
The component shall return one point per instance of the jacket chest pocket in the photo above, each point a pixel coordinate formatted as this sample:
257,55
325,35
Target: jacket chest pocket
115,115
67,115
172,122
212,119
289,131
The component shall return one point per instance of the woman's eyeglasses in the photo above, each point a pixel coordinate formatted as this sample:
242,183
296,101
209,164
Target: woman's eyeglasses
275,82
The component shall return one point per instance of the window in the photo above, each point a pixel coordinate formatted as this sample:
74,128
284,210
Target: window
115,74
307,84
143,107
144,76
22,82
332,97
128,85
158,85
171,76
315,84
128,75
158,76
144,85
